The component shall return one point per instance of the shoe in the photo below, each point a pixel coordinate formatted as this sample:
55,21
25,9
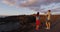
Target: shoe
37,29
47,28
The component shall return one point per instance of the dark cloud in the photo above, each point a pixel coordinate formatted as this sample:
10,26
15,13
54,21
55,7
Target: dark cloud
35,4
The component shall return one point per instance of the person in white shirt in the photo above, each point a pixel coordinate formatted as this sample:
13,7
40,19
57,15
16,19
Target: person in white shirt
37,21
48,17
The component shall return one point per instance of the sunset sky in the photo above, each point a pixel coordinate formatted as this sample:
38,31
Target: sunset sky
18,7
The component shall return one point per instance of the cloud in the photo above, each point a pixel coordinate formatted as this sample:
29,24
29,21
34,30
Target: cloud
9,2
36,5
50,6
28,3
41,5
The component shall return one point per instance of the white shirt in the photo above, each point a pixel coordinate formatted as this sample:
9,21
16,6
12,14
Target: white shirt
48,14
37,18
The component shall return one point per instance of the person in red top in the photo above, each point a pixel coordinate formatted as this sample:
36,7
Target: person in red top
37,21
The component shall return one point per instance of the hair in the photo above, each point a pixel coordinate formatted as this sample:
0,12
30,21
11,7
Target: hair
49,10
37,13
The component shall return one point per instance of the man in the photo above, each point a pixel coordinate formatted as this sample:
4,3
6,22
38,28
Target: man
37,21
48,19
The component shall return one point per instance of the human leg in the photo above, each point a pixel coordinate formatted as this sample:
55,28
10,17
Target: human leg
47,25
37,27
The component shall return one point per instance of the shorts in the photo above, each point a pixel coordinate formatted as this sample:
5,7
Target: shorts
37,22
47,20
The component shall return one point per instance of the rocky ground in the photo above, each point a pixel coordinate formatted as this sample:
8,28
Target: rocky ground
26,23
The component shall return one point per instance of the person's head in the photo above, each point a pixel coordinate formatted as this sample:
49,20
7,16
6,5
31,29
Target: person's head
37,13
49,10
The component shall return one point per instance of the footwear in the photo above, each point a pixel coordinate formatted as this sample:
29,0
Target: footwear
48,28
37,29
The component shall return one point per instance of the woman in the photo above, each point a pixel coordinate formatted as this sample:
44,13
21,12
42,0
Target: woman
37,21
48,19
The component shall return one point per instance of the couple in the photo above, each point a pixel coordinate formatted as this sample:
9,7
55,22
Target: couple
48,14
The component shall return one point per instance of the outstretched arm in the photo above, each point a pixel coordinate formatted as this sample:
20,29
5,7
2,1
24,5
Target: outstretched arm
45,13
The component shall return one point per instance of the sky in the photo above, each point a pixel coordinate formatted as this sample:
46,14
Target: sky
19,7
